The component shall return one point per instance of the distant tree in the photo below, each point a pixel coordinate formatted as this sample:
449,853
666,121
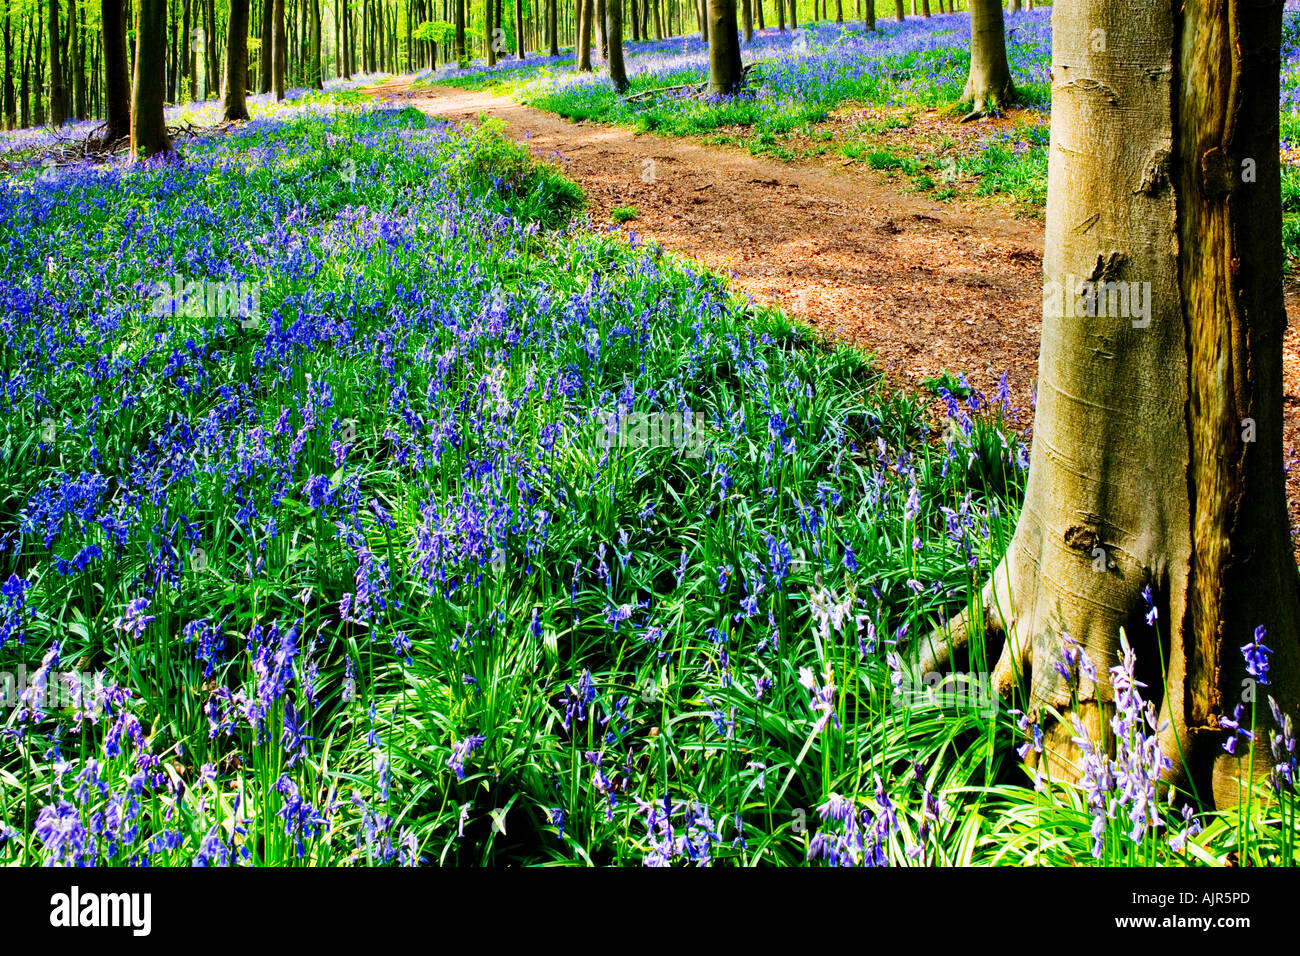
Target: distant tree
58,94
149,89
236,82
117,76
279,50
989,86
614,42
898,10
519,28
726,75
585,10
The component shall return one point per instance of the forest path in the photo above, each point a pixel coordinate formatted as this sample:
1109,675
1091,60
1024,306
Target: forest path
926,286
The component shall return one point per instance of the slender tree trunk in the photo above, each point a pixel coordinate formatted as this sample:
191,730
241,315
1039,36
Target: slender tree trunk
264,50
747,19
925,8
117,82
585,10
316,71
725,76
78,32
236,84
279,49
460,31
10,105
869,14
794,15
601,43
148,127
552,28
58,96
519,29
899,13
1158,445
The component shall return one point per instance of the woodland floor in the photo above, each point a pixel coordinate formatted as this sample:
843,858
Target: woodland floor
926,286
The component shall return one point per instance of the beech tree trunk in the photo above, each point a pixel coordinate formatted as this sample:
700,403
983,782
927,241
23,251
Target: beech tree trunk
898,10
117,78
725,76
148,127
585,9
747,19
264,50
279,49
234,107
989,86
614,44
58,95
1157,446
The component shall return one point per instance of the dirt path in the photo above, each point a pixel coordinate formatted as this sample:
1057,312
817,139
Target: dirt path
926,286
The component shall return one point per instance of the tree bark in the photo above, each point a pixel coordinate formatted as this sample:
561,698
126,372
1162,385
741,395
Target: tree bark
117,82
747,19
989,86
148,127
1158,446
585,9
279,49
10,105
58,96
266,38
898,10
236,83
725,76
614,38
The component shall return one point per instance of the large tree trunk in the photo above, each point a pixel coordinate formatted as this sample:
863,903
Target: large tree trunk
58,95
148,126
989,86
117,82
234,107
1158,449
898,10
614,39
725,76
